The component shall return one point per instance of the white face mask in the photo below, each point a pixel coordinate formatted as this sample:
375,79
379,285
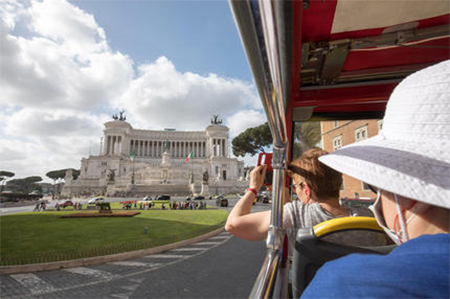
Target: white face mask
397,237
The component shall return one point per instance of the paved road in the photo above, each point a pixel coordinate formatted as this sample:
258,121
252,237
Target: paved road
220,267
14,210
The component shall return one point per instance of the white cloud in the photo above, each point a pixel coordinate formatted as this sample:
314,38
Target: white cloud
163,97
244,119
59,80
76,31
10,11
45,123
66,63
40,155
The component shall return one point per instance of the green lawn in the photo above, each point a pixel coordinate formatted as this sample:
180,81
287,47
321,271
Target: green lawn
42,237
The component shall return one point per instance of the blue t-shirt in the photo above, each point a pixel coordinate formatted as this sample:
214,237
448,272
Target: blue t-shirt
418,268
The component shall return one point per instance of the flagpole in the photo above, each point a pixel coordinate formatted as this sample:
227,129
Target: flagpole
192,171
188,160
132,175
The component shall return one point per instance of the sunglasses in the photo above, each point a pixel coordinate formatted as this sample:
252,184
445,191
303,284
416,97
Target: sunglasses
294,186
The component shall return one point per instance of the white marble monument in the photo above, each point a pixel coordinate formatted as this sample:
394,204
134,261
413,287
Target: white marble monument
155,162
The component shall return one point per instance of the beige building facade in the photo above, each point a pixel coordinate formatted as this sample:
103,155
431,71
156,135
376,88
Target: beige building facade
336,134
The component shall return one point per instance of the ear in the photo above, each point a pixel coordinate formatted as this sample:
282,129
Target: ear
307,190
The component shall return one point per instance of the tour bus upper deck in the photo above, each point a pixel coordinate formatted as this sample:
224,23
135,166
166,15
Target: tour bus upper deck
330,60
341,56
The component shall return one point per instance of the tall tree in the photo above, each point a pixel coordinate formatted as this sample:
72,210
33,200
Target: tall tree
252,140
3,176
25,185
306,136
58,176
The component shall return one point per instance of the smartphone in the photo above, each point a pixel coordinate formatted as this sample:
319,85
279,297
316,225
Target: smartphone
266,159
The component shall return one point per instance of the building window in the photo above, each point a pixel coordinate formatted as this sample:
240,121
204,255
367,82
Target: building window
104,163
217,170
380,125
361,133
224,165
335,124
365,187
342,185
224,175
337,142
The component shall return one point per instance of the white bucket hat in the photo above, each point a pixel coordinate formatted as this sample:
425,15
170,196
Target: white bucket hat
411,154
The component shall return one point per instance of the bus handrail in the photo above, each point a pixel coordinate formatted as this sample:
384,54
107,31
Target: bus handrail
256,20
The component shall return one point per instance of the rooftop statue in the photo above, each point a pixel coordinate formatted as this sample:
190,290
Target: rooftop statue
121,116
215,120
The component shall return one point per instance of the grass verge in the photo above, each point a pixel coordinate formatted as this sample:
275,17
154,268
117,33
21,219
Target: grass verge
36,238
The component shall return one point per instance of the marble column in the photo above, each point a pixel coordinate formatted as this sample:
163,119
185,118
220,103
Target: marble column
108,144
223,148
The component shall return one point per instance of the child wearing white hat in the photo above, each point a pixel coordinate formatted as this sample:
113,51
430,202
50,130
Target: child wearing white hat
409,165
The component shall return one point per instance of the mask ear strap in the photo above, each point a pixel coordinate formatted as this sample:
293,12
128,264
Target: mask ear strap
417,208
401,219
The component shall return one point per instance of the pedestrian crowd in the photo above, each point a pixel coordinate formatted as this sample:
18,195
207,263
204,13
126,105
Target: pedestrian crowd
177,205
40,206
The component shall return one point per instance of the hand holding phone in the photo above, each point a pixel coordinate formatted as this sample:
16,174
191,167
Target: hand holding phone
266,159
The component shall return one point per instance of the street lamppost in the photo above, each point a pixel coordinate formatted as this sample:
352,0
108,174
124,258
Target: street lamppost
132,174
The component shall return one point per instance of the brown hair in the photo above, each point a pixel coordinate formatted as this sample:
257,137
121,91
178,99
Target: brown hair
324,181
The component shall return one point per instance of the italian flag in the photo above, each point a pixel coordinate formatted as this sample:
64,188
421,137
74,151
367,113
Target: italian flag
132,156
189,157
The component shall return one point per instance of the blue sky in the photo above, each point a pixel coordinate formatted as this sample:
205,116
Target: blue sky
197,36
66,67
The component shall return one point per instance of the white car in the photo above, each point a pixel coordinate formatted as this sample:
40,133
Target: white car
96,200
145,200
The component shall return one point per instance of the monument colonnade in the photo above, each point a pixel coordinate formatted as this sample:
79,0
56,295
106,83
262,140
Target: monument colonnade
114,145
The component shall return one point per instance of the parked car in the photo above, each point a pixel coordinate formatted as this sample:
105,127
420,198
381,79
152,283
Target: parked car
95,200
163,197
221,201
67,203
125,202
35,194
263,197
199,197
145,200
